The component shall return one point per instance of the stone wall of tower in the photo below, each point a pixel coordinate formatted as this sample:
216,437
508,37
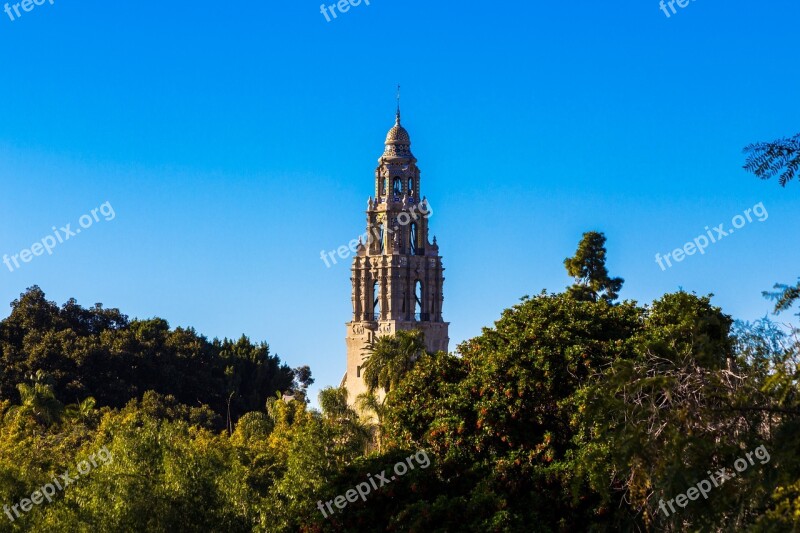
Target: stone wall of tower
393,261
360,336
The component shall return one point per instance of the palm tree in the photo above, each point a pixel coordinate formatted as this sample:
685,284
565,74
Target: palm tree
39,401
767,159
369,402
80,411
351,432
391,358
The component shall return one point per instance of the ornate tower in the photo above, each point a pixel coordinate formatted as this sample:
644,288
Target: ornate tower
397,274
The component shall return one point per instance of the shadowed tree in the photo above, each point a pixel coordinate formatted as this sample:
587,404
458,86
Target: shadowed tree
39,401
99,353
391,358
80,411
302,380
588,267
369,402
768,159
353,434
683,404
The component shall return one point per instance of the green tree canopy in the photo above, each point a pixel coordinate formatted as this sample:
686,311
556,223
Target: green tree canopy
588,267
100,353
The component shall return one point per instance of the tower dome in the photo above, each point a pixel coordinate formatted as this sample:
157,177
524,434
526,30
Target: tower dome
398,134
398,141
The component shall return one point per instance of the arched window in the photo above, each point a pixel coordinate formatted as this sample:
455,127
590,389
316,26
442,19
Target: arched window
410,186
418,314
398,187
412,239
384,185
381,237
376,301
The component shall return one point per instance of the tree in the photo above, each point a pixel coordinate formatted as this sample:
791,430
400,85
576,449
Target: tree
784,297
164,475
39,401
99,353
352,434
370,402
498,417
391,357
309,449
653,424
588,267
767,159
302,381
81,411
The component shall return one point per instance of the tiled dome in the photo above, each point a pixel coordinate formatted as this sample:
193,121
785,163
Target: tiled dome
398,142
398,134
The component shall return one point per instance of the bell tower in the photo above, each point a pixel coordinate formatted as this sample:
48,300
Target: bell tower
397,274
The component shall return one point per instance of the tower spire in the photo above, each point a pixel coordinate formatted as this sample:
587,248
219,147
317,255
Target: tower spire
398,105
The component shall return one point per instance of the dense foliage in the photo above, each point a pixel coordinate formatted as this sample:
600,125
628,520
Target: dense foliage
100,353
571,413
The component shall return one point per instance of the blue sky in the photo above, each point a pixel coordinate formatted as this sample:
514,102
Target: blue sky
235,141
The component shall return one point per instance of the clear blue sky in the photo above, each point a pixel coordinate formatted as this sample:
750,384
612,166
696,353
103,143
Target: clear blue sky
236,140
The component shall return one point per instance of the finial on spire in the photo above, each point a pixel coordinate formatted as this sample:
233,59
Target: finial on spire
398,105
